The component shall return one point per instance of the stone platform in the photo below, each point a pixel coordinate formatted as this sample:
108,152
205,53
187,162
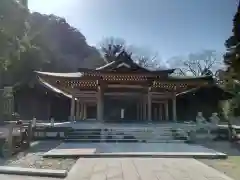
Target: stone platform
143,168
135,169
133,150
91,124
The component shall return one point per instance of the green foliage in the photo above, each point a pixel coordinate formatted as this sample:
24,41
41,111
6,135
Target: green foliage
12,27
31,42
227,109
232,57
13,34
232,60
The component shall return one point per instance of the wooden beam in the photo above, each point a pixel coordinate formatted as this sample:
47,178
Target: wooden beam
163,96
122,94
124,86
89,94
158,102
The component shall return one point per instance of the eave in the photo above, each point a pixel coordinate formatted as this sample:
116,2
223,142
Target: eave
53,88
225,95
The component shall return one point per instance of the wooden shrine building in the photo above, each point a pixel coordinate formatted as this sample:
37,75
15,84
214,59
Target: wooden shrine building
122,91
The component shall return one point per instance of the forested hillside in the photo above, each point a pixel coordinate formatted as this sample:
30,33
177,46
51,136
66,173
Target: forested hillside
64,45
32,41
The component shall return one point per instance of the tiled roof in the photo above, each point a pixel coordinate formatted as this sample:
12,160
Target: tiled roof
214,88
70,75
190,77
49,86
106,65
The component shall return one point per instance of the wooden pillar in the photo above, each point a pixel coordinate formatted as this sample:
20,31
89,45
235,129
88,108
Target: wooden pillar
78,110
144,110
138,111
160,112
166,111
72,115
84,111
174,107
149,99
100,104
81,111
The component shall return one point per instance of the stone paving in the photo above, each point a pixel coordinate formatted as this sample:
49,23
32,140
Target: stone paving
135,169
132,147
143,169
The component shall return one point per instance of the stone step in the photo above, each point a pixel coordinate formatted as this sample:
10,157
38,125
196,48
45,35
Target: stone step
103,140
159,134
122,134
125,129
119,133
125,140
118,137
166,141
83,134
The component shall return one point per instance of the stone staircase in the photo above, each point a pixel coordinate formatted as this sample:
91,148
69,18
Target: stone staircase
120,134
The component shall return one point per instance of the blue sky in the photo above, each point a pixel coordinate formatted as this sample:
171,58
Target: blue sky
169,27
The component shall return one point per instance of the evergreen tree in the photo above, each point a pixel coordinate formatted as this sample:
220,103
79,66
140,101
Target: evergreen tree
232,57
232,60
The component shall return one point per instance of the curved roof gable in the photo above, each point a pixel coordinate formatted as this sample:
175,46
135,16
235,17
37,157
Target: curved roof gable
124,62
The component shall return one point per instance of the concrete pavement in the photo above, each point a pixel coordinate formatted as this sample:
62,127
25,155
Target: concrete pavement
135,169
143,169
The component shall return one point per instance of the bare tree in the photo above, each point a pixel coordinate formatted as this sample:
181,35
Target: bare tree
206,62
111,47
145,58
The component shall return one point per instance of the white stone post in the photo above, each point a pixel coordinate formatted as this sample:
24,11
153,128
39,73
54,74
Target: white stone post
34,122
52,122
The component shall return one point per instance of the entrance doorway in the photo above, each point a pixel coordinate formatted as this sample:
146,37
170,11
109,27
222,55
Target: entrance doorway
158,114
120,108
91,111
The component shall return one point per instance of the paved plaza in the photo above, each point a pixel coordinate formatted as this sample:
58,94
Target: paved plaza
143,169
135,169
68,149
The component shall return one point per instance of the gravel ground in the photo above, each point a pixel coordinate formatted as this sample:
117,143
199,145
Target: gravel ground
229,166
32,158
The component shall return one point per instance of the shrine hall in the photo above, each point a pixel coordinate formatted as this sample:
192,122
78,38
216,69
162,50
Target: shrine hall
123,91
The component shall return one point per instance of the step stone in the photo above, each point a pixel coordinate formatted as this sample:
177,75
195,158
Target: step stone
159,134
